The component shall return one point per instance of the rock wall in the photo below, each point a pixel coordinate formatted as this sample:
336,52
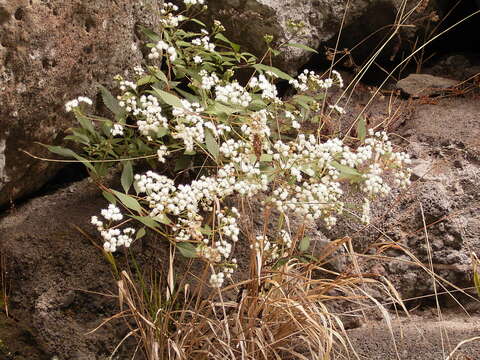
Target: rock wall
50,52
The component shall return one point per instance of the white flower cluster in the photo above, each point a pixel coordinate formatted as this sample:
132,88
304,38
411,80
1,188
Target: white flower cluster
309,80
208,80
168,19
204,42
113,237
233,93
117,130
194,2
190,125
161,153
258,128
269,90
72,104
159,48
147,110
124,85
337,108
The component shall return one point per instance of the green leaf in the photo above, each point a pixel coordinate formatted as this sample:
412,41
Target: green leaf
163,219
78,138
198,22
162,131
61,151
362,129
266,157
219,108
211,144
150,34
69,153
146,220
109,196
148,79
279,73
304,244
140,233
190,97
168,98
110,102
161,76
84,122
182,163
346,172
128,201
187,249
234,46
304,101
301,46
127,176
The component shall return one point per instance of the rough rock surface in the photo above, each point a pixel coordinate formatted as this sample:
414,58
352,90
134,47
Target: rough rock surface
442,137
56,276
418,338
417,85
51,52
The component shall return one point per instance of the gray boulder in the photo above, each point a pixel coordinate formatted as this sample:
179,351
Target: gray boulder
50,52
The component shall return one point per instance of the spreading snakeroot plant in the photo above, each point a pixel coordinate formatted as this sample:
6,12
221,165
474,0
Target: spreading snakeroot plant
188,113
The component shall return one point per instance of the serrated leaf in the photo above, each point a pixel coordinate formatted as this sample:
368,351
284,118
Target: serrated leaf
301,46
211,144
274,70
187,249
109,100
128,201
109,196
304,244
140,233
127,176
168,98
362,129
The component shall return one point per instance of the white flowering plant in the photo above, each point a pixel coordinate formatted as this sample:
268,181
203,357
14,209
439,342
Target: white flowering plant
207,137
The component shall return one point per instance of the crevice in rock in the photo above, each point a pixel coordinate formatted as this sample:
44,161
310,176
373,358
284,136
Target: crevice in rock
19,14
462,39
65,177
